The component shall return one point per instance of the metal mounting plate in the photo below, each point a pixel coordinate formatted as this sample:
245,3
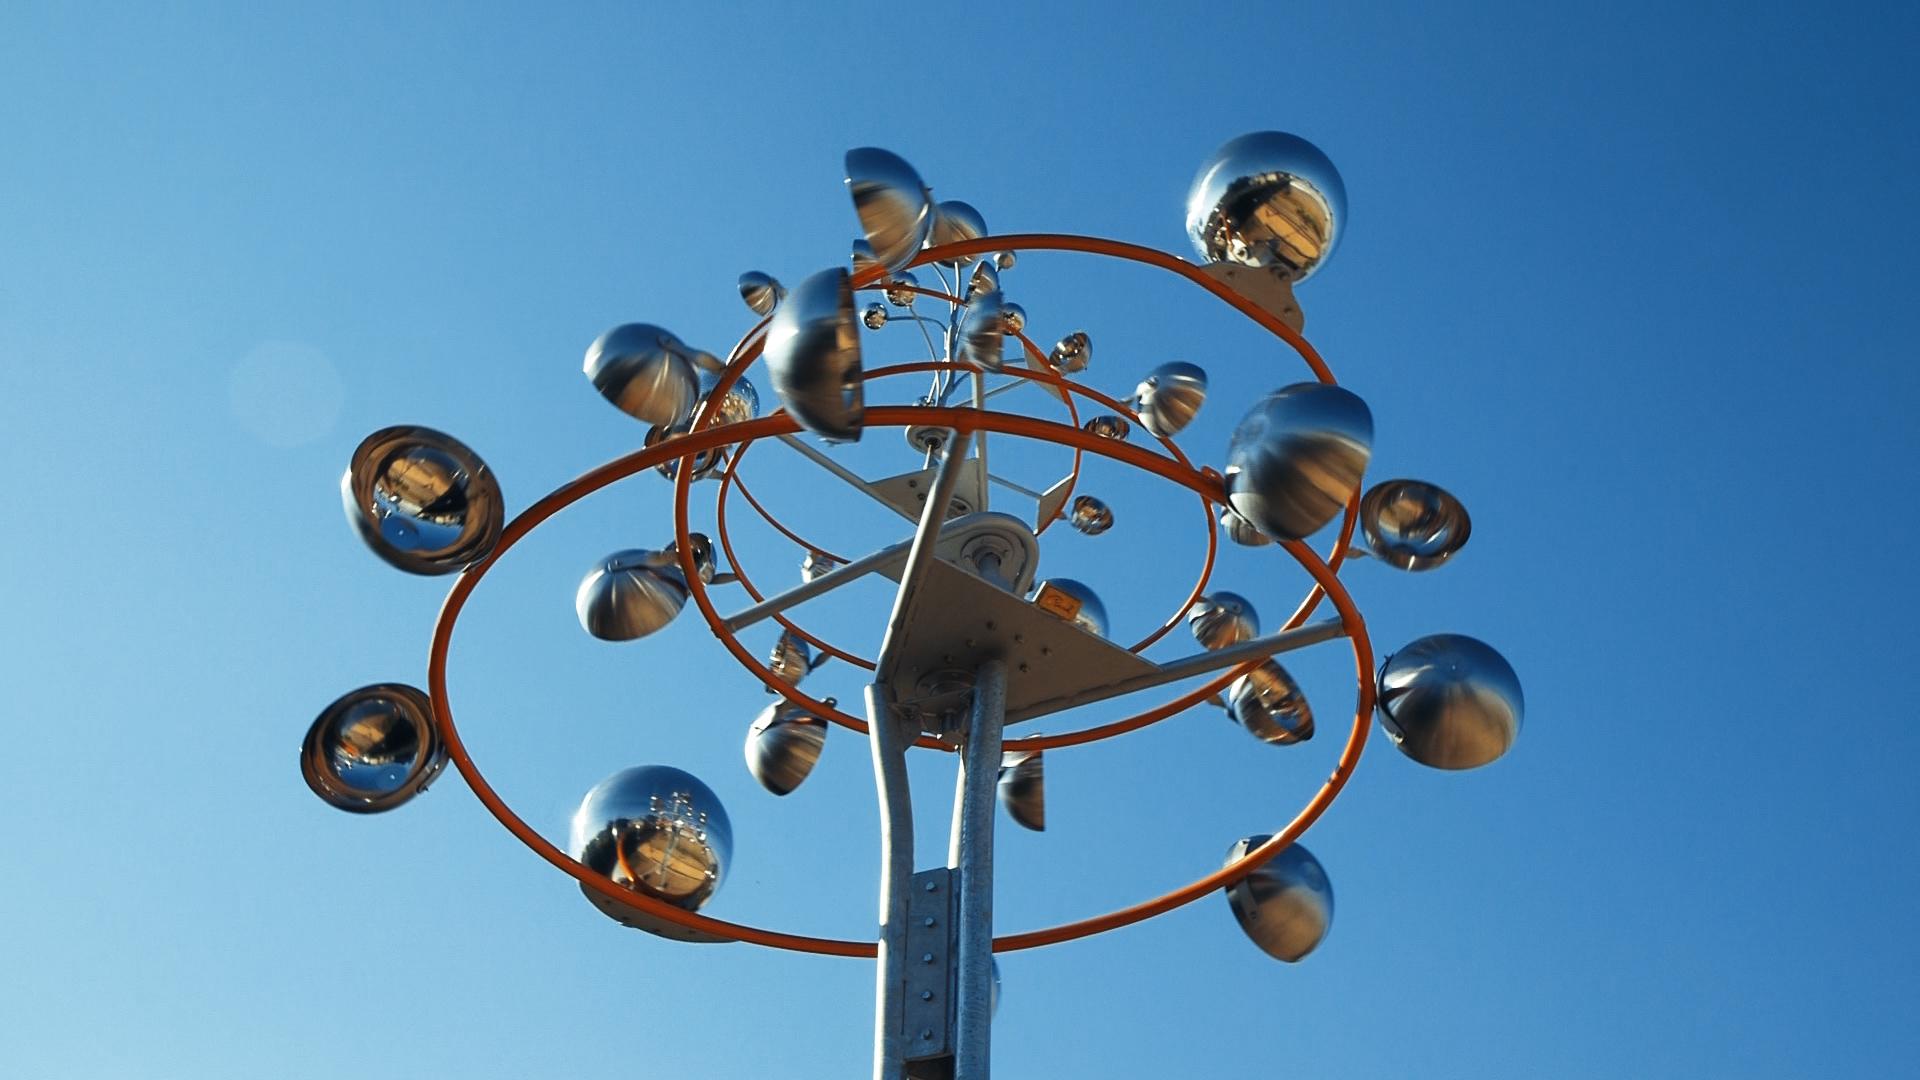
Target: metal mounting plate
1272,292
907,492
929,968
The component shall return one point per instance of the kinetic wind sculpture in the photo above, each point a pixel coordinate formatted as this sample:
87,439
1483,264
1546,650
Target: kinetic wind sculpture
975,640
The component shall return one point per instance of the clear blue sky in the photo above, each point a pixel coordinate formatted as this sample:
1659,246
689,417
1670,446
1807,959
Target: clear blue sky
1634,282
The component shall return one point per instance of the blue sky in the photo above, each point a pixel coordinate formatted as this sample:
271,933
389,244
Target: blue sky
1631,281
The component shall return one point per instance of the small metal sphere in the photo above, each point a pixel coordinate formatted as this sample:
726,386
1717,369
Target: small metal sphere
1268,703
373,749
742,402
985,277
1450,701
646,372
1023,788
1297,458
1268,199
1241,531
655,830
954,221
761,291
1108,426
630,594
1072,601
1413,525
1004,260
1090,515
875,316
791,659
899,292
1286,905
1170,396
422,500
813,354
818,564
983,328
1072,354
895,210
702,555
1221,619
705,463
1013,318
784,744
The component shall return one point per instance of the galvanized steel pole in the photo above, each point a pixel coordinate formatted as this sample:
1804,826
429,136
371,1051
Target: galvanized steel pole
973,982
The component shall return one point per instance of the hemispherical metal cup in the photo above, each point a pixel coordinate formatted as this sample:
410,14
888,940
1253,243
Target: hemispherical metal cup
791,659
1270,200
984,278
1073,601
899,291
422,500
1268,703
703,561
762,292
954,221
630,594
1072,354
1013,318
373,749
656,830
1023,788
1297,457
818,564
813,353
863,257
1221,619
784,744
704,463
1090,515
1286,905
1108,426
646,372
895,210
1412,524
983,328
1450,701
874,316
1241,531
741,403
1170,396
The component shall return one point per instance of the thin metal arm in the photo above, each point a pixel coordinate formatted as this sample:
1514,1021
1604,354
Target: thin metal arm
1004,387
843,473
840,575
1011,486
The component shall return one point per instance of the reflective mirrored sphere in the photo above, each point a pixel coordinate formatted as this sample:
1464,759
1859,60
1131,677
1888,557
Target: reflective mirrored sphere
983,328
1170,396
422,500
1241,531
1108,426
813,353
1286,905
1072,354
1267,702
1013,318
875,316
1268,199
655,830
985,277
630,594
1072,601
645,371
741,403
373,749
1090,515
1413,525
1023,788
1450,701
1005,260
1221,619
817,564
791,659
954,221
783,745
895,210
703,562
760,291
1297,457
705,463
899,291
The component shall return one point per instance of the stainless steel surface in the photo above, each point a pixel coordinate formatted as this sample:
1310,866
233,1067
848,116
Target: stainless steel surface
1413,525
784,744
703,561
874,316
980,757
817,564
1065,598
983,278
657,830
1268,288
1090,515
921,553
761,291
791,659
646,372
630,594
863,257
1268,703
372,749
1072,354
1267,199
1241,531
1051,501
907,492
982,332
741,403
896,213
1005,259
705,463
1169,397
1450,701
887,737
954,221
928,990
899,291
1297,457
813,355
1023,788
1013,318
422,500
1108,426
1286,905
1222,618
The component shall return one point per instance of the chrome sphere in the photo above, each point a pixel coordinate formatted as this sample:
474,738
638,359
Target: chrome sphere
1221,619
1241,531
742,402
791,659
1297,457
1450,701
655,830
1023,788
1072,601
1413,525
1267,702
704,463
1013,318
1169,397
899,291
985,277
630,594
761,291
983,328
818,564
875,316
1108,426
1004,259
784,744
1286,905
422,500
702,555
896,212
1090,515
1072,354
1268,199
813,353
373,749
954,221
645,371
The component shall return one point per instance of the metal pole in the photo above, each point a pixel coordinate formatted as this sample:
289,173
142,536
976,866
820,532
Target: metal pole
980,765
889,745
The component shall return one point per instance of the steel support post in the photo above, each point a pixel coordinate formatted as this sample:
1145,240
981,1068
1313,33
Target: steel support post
972,856
889,741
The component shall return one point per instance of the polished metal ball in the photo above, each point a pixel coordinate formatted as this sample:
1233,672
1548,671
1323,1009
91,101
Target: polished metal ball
655,830
1412,524
1268,703
631,594
983,328
741,404
1286,904
1297,458
373,749
646,372
1170,396
422,500
895,210
985,277
1013,318
1450,701
1221,619
784,744
1023,788
761,291
818,564
1070,600
1268,199
954,221
899,291
813,354
1004,260
1090,515
791,659
703,562
875,316
1241,531
705,463
1072,354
